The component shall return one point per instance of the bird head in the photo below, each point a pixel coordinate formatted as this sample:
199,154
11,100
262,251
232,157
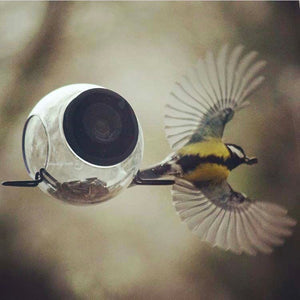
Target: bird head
238,156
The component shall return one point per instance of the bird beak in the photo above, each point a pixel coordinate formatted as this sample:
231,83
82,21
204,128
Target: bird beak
251,160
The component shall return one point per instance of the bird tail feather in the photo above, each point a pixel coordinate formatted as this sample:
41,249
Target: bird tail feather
164,168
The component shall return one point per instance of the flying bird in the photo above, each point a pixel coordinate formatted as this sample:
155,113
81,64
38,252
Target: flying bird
200,106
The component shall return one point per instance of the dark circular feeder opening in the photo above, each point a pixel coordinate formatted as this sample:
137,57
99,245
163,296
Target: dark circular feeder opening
100,127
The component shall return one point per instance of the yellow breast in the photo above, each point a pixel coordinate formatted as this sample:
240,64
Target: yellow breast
205,148
208,172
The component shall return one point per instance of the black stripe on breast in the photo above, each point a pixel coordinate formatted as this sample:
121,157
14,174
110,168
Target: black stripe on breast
190,162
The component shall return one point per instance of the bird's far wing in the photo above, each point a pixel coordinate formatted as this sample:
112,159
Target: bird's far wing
230,220
205,100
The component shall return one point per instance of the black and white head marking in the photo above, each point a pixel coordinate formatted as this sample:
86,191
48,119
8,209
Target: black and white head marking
236,151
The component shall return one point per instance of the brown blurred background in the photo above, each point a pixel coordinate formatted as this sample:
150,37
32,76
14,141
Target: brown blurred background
134,246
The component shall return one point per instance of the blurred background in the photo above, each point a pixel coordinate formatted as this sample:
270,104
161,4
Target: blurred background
134,246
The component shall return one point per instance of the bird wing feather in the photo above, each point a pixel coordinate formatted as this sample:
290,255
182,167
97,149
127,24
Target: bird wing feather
230,220
206,98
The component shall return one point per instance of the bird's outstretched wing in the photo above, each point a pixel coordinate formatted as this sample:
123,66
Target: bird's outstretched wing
230,220
205,100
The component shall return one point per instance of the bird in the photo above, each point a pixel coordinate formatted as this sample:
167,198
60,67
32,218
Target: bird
200,106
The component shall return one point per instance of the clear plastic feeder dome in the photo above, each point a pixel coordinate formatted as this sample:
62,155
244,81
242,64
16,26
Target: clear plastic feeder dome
88,140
